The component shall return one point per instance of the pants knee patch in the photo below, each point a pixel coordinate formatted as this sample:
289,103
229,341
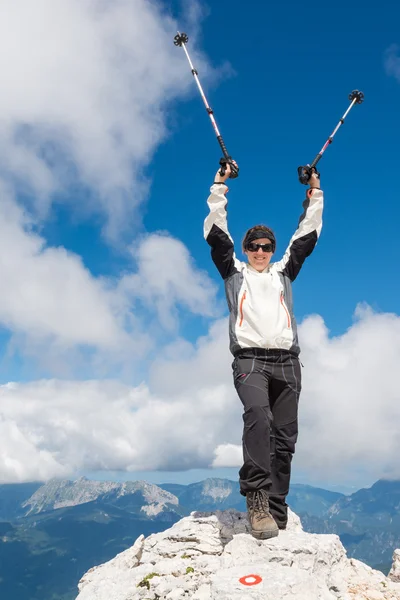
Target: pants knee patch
286,437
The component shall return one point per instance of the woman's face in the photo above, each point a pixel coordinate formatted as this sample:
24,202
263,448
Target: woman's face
258,258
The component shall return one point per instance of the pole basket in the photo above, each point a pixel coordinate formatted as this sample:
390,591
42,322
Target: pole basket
356,95
180,38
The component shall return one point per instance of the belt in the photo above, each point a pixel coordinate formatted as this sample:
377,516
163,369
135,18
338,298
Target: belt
263,352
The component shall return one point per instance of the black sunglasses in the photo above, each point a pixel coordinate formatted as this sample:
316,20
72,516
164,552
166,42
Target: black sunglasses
253,247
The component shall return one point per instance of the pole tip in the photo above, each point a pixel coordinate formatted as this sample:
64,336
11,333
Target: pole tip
357,95
180,38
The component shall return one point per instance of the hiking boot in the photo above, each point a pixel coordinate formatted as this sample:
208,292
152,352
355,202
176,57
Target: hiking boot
263,525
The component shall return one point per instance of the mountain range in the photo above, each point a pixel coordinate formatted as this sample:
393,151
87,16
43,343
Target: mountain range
50,534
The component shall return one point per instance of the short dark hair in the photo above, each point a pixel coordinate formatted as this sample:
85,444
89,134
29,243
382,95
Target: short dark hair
257,232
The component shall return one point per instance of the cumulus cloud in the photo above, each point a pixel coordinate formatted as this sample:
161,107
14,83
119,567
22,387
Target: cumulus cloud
227,455
53,305
60,427
167,279
189,416
86,87
350,406
89,85
48,291
192,367
22,459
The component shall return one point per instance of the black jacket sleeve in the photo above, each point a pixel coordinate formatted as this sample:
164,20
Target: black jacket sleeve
305,237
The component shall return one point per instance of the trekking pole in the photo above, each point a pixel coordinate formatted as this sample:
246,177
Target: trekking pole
181,40
304,173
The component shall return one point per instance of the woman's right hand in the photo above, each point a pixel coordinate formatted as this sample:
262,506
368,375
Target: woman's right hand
222,178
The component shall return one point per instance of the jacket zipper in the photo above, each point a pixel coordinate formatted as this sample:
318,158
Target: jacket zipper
241,308
286,310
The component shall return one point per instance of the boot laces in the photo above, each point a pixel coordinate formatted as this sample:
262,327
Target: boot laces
260,504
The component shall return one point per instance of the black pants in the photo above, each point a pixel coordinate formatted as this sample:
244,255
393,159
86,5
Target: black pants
268,383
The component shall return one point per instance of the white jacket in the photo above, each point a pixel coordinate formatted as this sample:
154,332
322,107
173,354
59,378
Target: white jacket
261,304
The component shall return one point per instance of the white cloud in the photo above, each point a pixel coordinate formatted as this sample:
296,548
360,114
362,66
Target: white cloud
64,427
392,61
167,279
53,305
21,458
89,86
86,87
205,365
350,406
48,291
228,455
190,416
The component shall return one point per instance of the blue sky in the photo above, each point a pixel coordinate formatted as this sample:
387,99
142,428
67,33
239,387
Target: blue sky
107,156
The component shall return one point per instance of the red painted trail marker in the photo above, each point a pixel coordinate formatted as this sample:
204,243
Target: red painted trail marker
250,580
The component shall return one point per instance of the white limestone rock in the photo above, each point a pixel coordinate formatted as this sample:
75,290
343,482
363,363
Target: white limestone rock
394,574
109,579
365,583
212,556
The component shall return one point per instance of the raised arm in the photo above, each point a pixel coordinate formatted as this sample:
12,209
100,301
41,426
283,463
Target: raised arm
307,233
216,229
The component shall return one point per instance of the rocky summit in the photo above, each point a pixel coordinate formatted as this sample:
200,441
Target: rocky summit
209,556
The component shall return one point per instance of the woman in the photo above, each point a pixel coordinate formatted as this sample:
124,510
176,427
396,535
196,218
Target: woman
263,340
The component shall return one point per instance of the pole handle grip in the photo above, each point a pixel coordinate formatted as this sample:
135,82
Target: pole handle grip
227,159
234,168
315,162
223,147
304,173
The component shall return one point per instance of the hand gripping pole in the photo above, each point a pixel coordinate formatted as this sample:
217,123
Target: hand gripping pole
181,40
304,173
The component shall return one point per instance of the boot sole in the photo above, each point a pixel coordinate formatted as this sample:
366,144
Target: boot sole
265,535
